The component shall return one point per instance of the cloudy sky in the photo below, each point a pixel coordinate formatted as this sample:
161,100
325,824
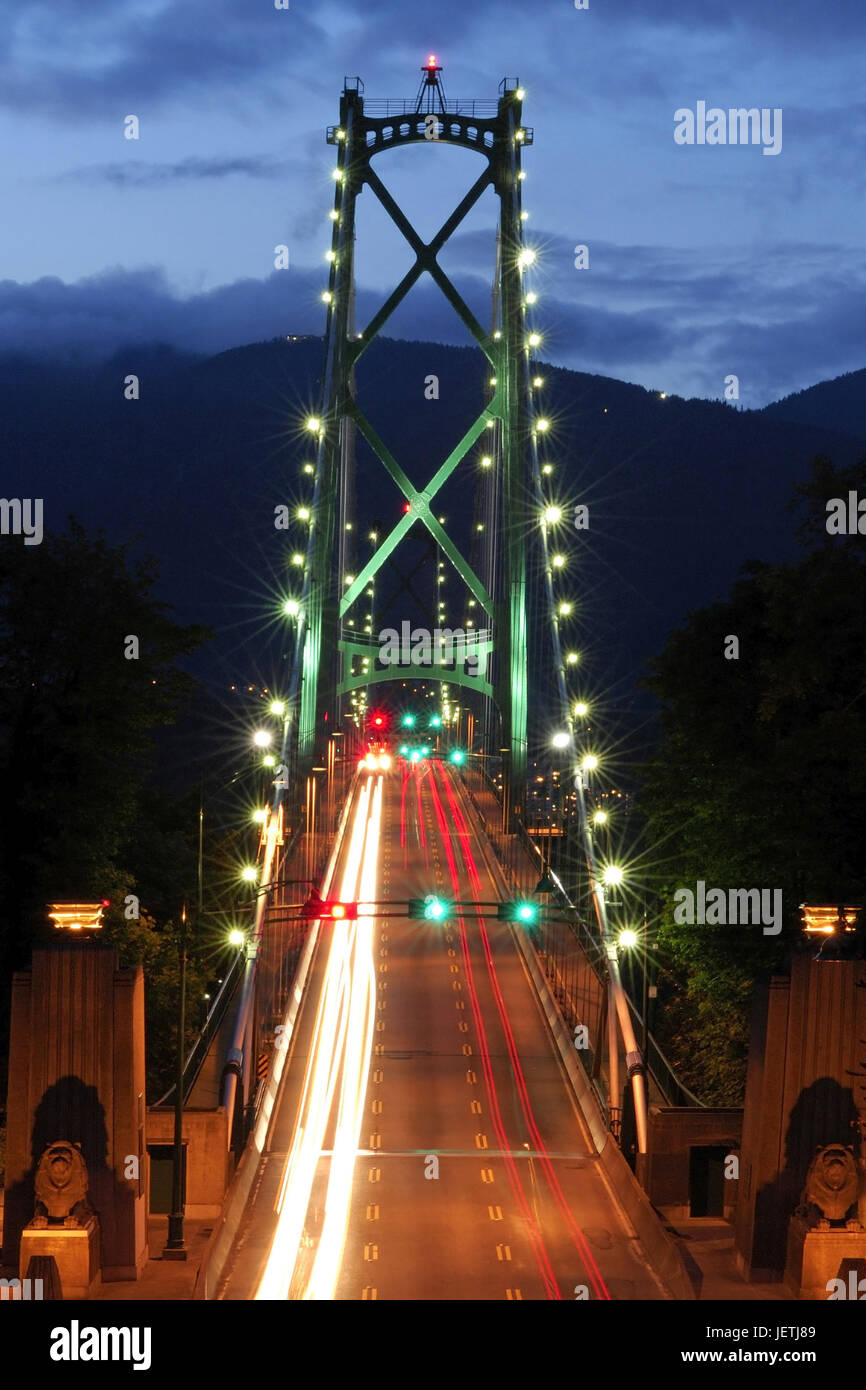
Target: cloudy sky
705,259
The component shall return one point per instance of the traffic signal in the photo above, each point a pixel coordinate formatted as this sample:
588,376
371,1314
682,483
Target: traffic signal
429,909
436,722
457,756
524,912
408,721
330,909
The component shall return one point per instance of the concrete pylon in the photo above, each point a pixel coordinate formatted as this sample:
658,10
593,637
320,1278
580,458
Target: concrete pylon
77,1073
805,1090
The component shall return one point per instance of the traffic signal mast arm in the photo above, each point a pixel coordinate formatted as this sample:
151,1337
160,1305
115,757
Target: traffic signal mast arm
427,909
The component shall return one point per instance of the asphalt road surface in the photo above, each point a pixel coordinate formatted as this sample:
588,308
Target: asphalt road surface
425,1144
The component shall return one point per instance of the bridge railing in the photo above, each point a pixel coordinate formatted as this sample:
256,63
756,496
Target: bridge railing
406,106
212,1024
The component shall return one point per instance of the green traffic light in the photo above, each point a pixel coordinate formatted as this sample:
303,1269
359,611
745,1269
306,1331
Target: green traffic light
524,912
435,722
457,756
408,721
430,909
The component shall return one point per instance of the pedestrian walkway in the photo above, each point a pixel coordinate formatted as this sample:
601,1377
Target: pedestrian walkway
707,1246
162,1281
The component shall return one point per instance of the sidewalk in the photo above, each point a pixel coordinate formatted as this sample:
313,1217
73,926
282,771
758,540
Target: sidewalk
162,1280
707,1246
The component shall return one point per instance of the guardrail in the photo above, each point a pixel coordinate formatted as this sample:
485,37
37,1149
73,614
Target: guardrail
198,1052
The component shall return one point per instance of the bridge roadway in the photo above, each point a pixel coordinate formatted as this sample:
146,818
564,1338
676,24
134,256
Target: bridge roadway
425,1144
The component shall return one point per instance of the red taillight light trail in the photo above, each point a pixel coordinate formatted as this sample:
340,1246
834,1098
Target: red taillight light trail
578,1238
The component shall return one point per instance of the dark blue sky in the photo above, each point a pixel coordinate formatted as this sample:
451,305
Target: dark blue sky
704,260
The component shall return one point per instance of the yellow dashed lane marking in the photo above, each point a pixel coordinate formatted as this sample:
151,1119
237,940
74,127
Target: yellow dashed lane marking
503,1252
481,1141
495,1213
487,1175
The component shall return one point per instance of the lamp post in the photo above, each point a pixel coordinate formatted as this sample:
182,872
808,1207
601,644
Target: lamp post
175,1248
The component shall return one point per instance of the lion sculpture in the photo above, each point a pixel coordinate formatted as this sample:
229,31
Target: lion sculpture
61,1186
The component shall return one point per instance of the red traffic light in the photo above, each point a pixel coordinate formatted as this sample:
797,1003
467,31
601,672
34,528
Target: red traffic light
329,908
346,912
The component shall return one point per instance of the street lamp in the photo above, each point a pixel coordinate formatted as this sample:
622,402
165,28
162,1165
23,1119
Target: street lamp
630,938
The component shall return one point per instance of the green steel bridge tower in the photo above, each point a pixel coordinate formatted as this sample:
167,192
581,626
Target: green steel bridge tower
329,665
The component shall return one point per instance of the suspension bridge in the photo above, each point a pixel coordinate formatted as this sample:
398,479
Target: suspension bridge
434,1076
